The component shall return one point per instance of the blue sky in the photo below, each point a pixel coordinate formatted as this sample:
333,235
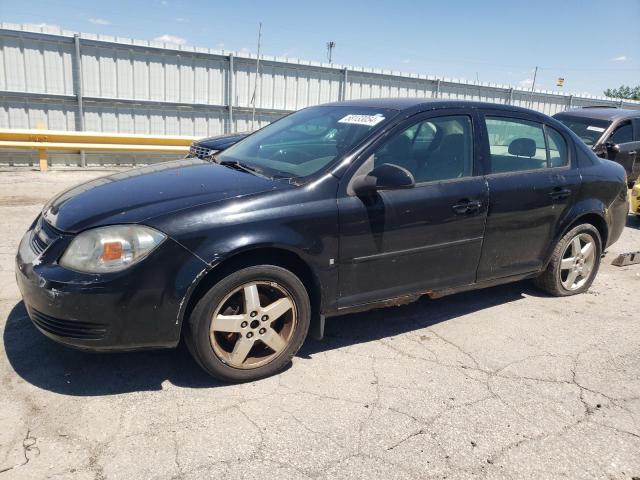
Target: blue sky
592,44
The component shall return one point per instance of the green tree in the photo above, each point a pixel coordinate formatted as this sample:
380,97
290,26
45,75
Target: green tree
624,92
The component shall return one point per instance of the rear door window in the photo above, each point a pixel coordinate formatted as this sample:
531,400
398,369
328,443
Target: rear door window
516,145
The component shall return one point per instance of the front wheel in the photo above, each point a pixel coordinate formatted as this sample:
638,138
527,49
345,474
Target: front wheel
250,324
574,263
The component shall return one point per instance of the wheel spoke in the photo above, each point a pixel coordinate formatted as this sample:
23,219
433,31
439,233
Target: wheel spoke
567,263
240,351
227,323
273,340
278,308
587,250
575,247
251,298
571,279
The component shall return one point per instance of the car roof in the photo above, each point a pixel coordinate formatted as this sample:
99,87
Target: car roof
601,113
418,104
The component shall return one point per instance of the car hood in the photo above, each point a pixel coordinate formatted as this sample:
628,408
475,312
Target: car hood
140,194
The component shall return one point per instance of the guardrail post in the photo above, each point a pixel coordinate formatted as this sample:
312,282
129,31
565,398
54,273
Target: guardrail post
570,102
230,93
77,76
437,88
43,160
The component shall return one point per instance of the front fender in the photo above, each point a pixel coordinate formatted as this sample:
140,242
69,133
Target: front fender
302,221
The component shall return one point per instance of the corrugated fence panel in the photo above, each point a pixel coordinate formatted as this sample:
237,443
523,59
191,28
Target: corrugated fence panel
14,64
149,87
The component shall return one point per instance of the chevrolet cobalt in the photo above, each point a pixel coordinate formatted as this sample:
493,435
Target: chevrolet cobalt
337,208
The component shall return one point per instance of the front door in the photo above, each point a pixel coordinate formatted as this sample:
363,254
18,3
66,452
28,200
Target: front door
398,242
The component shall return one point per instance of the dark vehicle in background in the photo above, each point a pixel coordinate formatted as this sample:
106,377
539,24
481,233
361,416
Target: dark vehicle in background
334,209
207,147
612,133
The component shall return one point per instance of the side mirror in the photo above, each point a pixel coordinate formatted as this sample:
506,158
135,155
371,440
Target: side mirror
384,177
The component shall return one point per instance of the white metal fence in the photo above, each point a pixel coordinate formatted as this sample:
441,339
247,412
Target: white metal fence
67,81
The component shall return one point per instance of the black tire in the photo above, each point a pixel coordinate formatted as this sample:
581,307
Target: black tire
550,281
199,323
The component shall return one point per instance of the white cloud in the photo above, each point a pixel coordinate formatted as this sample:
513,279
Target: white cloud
526,83
171,39
406,60
621,58
182,20
99,21
45,25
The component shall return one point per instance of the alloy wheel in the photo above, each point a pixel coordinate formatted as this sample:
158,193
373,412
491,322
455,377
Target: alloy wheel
253,324
578,261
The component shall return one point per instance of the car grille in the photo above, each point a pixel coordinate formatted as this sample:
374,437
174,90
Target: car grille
42,236
67,328
199,151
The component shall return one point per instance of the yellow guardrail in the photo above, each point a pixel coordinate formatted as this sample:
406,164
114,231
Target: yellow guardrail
43,140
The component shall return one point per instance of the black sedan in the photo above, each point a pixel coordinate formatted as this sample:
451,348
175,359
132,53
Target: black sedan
336,208
206,148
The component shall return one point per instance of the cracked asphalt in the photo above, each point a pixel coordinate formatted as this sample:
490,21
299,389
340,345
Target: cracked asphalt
499,383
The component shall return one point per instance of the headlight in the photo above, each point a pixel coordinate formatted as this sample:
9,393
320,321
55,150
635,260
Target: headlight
110,249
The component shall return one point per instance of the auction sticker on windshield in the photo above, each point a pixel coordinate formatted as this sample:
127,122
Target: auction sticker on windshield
368,120
595,129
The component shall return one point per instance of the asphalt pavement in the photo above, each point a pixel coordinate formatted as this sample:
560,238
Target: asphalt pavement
499,383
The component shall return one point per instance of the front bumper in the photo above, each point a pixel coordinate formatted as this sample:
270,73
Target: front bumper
138,308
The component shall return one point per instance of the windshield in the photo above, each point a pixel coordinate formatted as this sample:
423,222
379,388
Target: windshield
307,141
588,129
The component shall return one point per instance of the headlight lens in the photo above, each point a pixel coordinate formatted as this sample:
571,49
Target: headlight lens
110,249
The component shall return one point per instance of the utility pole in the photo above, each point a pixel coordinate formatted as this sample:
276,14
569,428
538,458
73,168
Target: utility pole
255,84
330,46
533,86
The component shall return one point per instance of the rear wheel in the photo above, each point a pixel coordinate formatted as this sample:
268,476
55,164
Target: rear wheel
574,263
250,324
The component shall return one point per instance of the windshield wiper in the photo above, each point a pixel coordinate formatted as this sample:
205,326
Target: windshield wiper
242,167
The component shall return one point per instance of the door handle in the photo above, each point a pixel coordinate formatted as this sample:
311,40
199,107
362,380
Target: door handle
467,206
560,193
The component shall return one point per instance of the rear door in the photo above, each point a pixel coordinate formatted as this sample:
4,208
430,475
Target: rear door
532,181
406,241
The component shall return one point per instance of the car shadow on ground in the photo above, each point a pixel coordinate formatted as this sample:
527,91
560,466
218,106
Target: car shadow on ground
47,365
